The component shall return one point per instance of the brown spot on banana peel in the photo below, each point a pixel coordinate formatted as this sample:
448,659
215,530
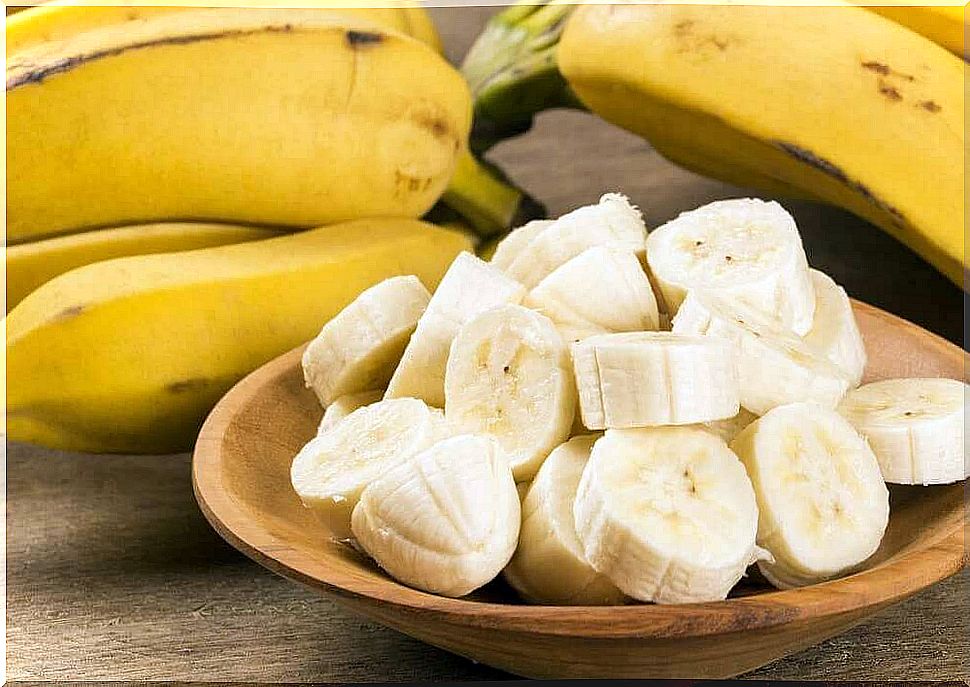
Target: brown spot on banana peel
829,168
187,385
406,183
69,313
885,70
889,91
929,106
363,39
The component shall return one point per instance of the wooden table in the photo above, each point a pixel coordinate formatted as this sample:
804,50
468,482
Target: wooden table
114,574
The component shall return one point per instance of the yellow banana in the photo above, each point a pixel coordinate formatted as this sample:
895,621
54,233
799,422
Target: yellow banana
128,355
31,264
943,24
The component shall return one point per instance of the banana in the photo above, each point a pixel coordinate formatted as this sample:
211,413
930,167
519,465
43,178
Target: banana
915,427
602,290
646,379
129,355
945,25
444,522
667,514
374,122
729,428
835,333
823,504
775,367
344,406
468,288
360,347
331,472
31,264
612,221
549,566
744,250
508,375
509,247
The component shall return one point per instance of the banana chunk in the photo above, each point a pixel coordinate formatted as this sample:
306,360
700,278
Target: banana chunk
602,290
646,379
508,375
612,221
823,504
732,426
509,248
445,522
667,514
331,471
835,333
745,251
469,287
359,348
775,367
914,426
344,406
549,566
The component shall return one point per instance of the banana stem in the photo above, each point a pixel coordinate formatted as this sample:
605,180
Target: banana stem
512,70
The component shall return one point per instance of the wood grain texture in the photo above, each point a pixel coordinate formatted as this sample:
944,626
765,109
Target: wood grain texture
114,574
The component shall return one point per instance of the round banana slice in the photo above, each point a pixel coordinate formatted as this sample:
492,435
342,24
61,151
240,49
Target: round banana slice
612,221
835,333
358,349
446,521
549,566
775,367
914,426
732,426
646,379
517,239
331,471
344,406
744,250
823,504
469,287
601,291
667,514
509,376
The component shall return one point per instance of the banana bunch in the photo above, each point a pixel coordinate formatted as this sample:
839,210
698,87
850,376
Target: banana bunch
868,115
530,418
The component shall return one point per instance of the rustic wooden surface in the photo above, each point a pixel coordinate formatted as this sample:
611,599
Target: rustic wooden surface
112,573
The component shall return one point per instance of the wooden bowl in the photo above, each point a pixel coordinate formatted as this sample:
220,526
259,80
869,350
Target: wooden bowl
241,477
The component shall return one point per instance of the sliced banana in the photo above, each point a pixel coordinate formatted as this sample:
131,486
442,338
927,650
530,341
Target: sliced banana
549,566
732,426
446,521
516,240
835,333
358,349
823,504
331,471
601,291
667,514
775,367
344,406
612,221
646,379
509,376
914,426
744,250
469,287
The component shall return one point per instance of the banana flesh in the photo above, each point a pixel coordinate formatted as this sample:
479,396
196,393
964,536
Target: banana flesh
511,245
344,406
835,333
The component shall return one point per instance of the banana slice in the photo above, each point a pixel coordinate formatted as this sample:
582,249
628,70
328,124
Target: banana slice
549,566
469,287
914,426
508,375
667,514
823,504
775,367
601,291
646,379
445,522
745,251
344,406
358,349
331,471
835,333
517,239
731,427
613,221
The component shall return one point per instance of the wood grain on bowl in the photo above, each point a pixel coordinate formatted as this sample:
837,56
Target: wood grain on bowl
241,477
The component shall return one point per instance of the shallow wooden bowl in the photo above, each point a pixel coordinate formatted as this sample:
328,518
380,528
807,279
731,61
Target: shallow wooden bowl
241,477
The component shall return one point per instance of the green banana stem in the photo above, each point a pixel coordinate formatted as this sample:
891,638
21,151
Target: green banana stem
512,70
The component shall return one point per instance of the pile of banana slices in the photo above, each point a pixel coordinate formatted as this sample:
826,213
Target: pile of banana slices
604,416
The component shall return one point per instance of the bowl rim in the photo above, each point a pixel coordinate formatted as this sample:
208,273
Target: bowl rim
881,585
